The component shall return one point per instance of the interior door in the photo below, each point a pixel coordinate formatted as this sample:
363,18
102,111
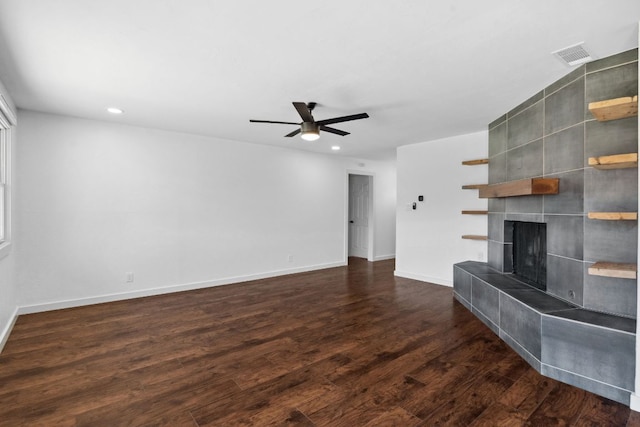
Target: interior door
358,215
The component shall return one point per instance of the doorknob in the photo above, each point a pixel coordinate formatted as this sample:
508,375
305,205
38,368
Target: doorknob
351,222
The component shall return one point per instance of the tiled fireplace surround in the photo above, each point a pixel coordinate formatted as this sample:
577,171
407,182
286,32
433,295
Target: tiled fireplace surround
582,330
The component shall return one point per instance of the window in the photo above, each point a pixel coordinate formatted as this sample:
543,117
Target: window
7,119
4,206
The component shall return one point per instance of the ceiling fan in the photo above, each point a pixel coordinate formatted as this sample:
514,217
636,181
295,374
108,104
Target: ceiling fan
309,127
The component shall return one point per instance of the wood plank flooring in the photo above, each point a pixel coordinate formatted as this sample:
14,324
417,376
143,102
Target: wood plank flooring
351,346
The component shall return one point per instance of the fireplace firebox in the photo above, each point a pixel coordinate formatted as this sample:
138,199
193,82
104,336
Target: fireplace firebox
530,253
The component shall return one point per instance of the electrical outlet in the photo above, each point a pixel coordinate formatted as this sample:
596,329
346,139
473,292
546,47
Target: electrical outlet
290,258
129,277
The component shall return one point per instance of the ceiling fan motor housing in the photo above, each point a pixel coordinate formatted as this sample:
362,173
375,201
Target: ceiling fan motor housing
308,127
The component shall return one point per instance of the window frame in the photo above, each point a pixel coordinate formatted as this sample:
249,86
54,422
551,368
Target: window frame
7,121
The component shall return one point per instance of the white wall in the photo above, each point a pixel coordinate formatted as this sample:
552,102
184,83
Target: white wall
8,297
384,197
180,211
428,240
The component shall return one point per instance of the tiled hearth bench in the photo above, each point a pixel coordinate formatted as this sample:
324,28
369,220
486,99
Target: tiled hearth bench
587,349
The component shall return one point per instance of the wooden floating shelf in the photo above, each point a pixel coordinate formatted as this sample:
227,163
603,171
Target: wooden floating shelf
473,186
614,109
475,212
474,237
616,161
612,269
523,187
475,162
613,216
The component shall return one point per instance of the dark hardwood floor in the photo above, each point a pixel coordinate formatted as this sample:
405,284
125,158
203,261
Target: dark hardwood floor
350,346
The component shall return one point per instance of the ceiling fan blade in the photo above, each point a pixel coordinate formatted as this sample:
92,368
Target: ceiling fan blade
343,119
270,121
294,133
304,112
333,130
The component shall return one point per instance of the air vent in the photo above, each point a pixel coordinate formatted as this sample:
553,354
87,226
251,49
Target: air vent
573,55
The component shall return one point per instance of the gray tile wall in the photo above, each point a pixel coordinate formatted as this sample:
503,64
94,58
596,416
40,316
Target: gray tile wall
553,134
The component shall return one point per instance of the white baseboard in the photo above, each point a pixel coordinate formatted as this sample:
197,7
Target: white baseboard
384,257
4,335
634,402
58,305
434,280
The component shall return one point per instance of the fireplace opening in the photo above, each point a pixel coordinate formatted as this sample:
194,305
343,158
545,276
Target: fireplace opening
530,253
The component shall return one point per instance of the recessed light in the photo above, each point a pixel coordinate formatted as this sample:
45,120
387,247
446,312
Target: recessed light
335,147
114,110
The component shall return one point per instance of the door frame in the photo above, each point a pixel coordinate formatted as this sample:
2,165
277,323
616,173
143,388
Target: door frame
372,218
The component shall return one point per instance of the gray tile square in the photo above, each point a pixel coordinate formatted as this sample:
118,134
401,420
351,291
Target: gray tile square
565,107
565,278
612,137
565,235
587,350
564,150
570,199
524,204
498,139
498,168
526,161
615,241
521,323
526,126
462,283
484,298
495,255
497,205
496,226
614,190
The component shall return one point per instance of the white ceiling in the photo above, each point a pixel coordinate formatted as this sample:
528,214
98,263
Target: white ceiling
421,69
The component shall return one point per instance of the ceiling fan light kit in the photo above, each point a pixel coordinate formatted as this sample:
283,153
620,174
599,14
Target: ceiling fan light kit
309,129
